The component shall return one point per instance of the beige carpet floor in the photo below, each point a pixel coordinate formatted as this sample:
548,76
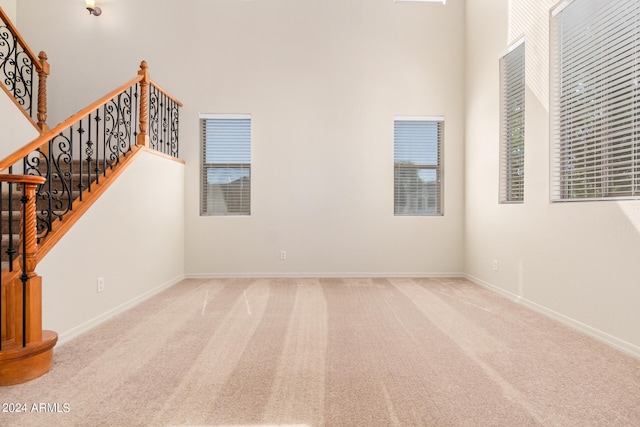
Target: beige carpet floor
331,352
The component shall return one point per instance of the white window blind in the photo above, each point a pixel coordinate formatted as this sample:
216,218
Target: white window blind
512,88
226,165
418,165
595,100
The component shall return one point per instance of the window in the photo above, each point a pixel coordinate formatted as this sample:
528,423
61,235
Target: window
512,88
226,164
595,100
418,165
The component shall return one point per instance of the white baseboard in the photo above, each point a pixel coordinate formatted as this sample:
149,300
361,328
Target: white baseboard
315,275
624,346
90,324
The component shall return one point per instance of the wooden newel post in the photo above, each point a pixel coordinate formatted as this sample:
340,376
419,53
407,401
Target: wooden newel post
27,350
28,259
43,72
143,136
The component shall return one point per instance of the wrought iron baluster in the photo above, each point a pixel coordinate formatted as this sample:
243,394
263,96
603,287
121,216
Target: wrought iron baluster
163,123
49,189
109,131
24,277
175,123
153,117
101,141
104,138
15,67
96,140
57,207
72,170
69,160
120,126
126,140
91,148
168,125
32,164
132,122
26,76
160,122
136,110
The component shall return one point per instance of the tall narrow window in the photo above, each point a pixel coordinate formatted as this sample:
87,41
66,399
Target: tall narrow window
595,108
226,164
512,88
418,165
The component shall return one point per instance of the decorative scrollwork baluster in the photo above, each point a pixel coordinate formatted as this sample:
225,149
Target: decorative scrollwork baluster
175,119
16,69
76,158
154,111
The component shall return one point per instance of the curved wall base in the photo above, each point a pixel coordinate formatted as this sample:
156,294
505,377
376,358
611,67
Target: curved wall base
21,364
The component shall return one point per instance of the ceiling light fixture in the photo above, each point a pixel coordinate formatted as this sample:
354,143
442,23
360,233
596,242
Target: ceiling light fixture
91,7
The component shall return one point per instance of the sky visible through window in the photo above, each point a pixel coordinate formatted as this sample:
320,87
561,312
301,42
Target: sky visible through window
416,143
228,143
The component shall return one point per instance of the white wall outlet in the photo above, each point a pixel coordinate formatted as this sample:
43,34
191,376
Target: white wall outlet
100,284
283,254
495,265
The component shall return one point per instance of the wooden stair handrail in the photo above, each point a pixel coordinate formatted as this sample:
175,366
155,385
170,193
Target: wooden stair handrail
22,179
45,138
53,132
164,92
34,356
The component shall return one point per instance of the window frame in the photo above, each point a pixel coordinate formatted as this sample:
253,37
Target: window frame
438,167
245,205
512,123
595,152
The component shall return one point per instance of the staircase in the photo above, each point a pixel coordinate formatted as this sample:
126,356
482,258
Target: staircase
51,181
54,199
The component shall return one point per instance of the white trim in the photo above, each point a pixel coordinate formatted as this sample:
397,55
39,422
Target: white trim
513,46
317,275
560,7
224,116
421,1
597,334
419,118
72,333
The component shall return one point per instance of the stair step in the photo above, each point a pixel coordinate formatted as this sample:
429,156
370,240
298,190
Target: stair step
5,215
4,245
57,186
16,196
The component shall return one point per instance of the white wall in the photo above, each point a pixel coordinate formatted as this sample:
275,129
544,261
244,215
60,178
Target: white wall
576,261
133,237
9,6
323,81
17,130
